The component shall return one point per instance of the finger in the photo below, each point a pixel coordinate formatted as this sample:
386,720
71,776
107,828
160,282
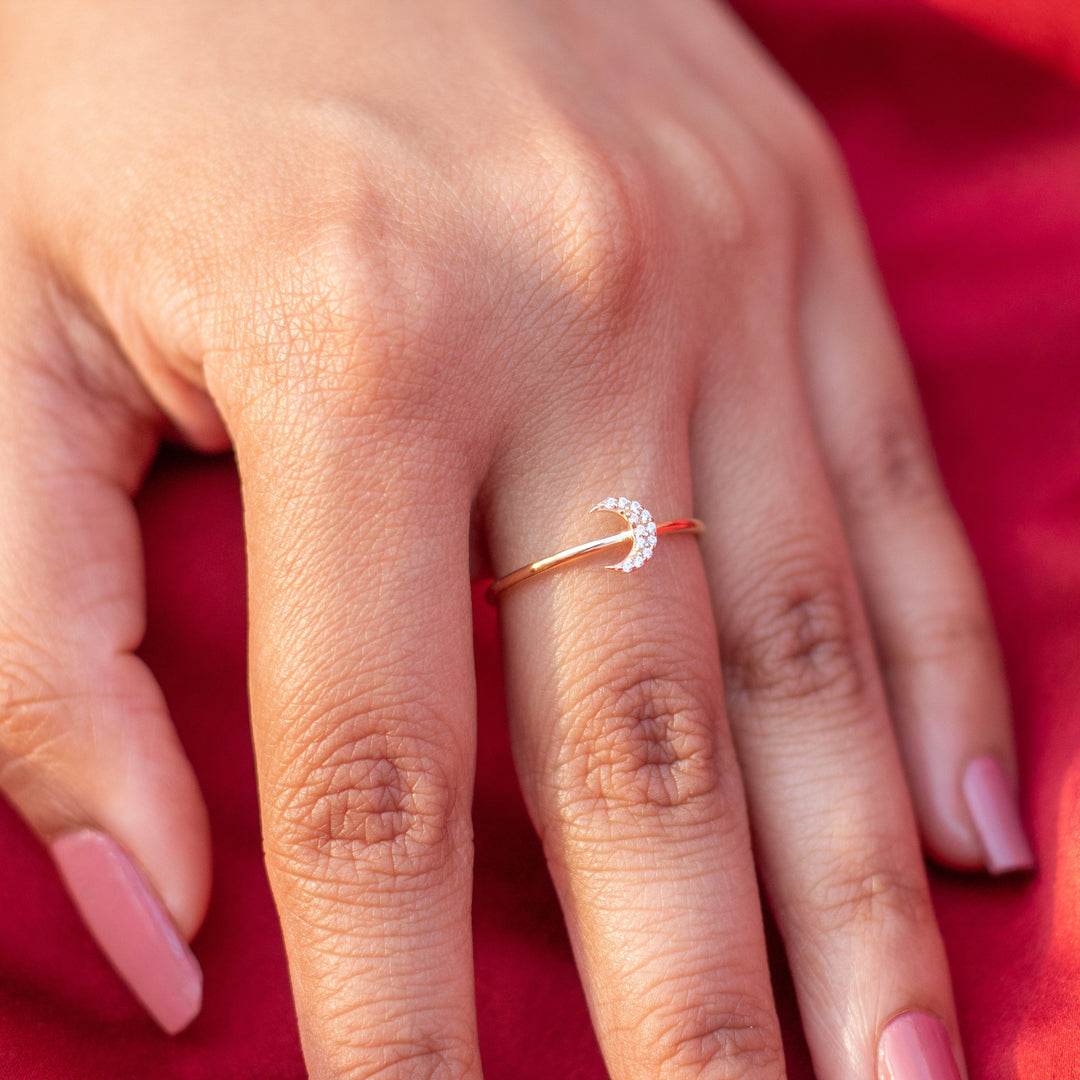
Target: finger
928,612
617,718
363,708
935,635
836,839
87,752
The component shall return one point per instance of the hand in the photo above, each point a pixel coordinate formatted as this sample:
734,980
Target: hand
445,275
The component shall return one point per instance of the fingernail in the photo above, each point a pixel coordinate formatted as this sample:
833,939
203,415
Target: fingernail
915,1046
132,927
992,803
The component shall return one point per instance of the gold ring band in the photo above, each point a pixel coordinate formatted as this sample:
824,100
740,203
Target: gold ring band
641,531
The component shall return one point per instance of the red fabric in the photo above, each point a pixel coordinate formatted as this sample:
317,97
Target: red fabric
967,159
1048,29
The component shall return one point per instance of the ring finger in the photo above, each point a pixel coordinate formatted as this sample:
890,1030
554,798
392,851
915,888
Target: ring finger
616,711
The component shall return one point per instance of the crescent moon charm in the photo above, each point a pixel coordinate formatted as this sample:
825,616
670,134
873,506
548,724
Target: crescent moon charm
640,528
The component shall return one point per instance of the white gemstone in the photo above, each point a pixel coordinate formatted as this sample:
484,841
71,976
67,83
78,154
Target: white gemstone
609,504
647,552
652,527
632,517
635,506
645,515
627,568
623,503
639,560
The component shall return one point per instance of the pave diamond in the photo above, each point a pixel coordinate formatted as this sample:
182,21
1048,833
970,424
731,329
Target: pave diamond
641,529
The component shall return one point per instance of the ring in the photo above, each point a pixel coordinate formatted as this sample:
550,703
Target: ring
641,530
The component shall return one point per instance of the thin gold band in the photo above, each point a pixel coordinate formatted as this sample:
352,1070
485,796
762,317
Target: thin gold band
561,558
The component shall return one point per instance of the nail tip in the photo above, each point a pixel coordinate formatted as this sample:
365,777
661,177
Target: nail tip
175,1024
1012,867
995,813
178,1014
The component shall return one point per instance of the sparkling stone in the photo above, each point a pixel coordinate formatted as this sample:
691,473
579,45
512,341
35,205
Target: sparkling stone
627,568
610,503
645,515
647,552
633,518
652,527
636,506
639,560
624,504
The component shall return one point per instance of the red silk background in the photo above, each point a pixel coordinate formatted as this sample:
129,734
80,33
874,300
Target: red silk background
1047,29
966,156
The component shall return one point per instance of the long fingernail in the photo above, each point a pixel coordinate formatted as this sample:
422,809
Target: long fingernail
992,804
915,1046
132,927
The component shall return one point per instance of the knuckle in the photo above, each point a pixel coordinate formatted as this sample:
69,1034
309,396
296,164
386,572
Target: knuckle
819,163
769,221
856,897
731,1037
49,764
344,312
419,1059
796,639
892,467
957,634
596,218
811,155
741,201
638,743
323,321
367,801
30,703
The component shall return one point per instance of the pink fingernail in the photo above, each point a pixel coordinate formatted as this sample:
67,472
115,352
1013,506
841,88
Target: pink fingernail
915,1046
992,803
132,926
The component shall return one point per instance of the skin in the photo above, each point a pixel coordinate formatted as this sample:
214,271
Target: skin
444,275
